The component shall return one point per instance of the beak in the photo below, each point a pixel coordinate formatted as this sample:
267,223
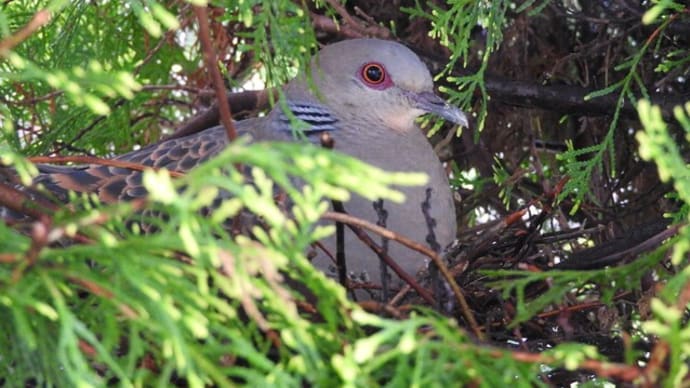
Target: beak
431,103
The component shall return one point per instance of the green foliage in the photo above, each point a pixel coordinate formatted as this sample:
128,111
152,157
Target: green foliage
579,284
529,3
99,302
629,89
398,355
79,71
186,316
452,27
183,316
657,144
501,178
657,11
278,35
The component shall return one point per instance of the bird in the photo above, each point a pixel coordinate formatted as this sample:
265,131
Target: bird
367,95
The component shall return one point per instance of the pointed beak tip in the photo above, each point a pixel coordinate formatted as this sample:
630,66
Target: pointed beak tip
455,115
431,103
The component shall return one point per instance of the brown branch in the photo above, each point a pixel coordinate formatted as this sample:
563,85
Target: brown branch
100,162
91,126
351,27
21,202
326,24
212,67
39,19
8,258
488,236
185,88
383,232
241,102
340,9
641,239
354,221
601,368
357,224
569,99
32,101
581,306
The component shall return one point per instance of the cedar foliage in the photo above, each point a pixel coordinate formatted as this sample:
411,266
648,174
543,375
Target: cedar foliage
572,249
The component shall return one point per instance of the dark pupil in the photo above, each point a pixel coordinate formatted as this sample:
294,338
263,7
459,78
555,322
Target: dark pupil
374,73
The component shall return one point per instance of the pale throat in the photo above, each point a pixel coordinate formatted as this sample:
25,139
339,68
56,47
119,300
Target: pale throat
401,120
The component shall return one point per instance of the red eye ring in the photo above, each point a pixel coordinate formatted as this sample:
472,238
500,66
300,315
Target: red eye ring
373,73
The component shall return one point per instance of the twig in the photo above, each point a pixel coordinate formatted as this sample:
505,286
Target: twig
489,236
185,88
601,368
622,254
569,99
343,13
351,27
241,101
326,24
356,225
89,127
354,221
40,19
212,67
22,203
100,162
581,306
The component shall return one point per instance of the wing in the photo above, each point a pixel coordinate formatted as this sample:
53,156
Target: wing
113,184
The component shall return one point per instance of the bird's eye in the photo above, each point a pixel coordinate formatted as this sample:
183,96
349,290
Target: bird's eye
373,73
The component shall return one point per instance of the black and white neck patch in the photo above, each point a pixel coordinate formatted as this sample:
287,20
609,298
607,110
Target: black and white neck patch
318,118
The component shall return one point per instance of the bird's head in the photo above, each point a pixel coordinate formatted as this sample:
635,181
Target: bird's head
380,80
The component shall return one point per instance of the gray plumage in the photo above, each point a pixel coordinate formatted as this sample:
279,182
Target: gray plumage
369,93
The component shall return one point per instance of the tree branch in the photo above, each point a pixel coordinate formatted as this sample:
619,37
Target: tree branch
568,99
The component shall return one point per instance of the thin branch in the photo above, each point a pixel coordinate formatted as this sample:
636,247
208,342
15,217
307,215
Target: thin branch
212,67
241,102
22,203
40,19
354,221
100,162
351,27
569,99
